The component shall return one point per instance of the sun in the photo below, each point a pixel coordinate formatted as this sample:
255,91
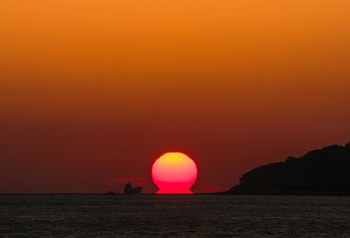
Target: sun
174,173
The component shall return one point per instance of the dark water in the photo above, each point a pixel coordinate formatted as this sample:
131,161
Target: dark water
173,216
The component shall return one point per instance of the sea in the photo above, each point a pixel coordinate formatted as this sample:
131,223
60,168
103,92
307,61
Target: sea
149,215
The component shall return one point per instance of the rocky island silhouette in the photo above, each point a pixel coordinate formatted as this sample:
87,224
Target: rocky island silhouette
319,172
129,189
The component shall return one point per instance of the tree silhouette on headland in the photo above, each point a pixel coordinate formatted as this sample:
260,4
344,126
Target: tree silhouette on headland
320,171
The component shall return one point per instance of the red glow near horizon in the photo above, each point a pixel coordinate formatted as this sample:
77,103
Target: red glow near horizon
174,173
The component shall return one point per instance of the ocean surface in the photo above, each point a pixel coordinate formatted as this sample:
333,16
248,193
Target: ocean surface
173,216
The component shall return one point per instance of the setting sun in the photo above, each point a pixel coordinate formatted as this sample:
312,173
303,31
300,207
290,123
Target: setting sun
174,173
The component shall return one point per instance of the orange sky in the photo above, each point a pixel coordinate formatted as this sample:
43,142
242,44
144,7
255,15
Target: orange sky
92,91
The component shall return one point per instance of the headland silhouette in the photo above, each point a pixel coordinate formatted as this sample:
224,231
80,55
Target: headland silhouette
319,172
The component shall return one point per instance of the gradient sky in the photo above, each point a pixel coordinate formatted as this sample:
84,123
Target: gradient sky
92,92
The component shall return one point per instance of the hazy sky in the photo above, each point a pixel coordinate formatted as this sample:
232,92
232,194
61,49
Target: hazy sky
92,92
